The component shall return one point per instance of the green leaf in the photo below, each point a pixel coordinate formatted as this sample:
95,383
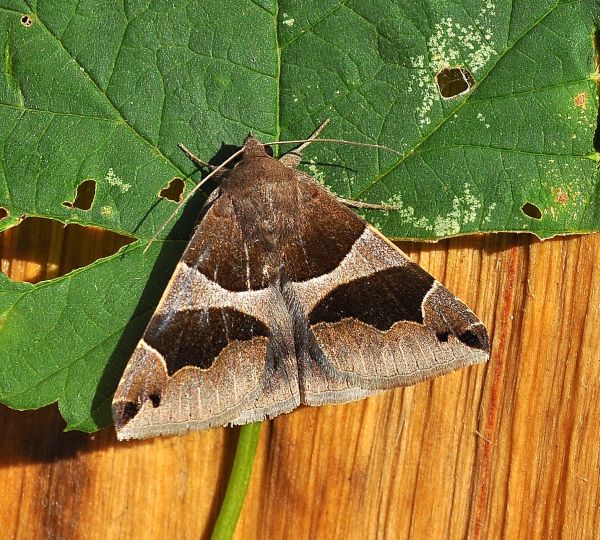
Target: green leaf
106,94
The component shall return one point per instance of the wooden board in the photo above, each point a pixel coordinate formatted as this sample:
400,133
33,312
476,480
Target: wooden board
510,449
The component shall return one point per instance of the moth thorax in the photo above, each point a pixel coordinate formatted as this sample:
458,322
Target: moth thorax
253,148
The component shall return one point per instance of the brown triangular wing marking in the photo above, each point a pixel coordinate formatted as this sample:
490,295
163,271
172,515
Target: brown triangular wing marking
379,321
210,356
211,362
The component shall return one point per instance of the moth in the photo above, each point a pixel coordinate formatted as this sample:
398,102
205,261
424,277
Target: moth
286,297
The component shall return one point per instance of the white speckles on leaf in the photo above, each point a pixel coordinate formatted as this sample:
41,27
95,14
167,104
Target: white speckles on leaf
114,180
106,211
488,215
418,61
287,20
481,118
452,44
315,172
407,214
465,210
446,225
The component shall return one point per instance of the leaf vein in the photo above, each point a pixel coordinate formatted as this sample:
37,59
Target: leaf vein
316,23
135,131
445,119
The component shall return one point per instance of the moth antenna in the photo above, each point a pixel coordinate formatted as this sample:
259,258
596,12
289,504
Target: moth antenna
314,135
339,141
195,159
194,189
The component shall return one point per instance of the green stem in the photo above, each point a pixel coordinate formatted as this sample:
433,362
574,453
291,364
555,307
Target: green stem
238,482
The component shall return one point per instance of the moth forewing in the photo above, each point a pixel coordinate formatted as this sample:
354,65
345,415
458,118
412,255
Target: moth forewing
284,297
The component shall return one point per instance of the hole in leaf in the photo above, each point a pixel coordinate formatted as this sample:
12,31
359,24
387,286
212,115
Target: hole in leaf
531,210
454,82
26,21
3,213
86,191
442,336
41,248
173,190
155,399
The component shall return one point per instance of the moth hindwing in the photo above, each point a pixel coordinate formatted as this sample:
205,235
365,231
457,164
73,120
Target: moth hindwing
285,297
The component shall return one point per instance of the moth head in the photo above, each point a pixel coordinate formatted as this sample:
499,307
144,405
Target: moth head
254,148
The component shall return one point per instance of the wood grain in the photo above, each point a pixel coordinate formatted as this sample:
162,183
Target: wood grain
509,450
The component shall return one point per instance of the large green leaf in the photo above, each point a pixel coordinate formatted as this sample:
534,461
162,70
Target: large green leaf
106,92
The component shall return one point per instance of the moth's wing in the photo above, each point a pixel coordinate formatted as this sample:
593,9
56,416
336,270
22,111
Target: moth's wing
375,320
207,357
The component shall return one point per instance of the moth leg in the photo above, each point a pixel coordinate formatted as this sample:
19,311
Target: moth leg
196,160
348,202
293,158
360,204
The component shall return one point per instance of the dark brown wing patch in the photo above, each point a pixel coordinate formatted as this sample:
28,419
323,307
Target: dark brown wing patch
379,299
323,233
476,338
220,251
268,220
197,337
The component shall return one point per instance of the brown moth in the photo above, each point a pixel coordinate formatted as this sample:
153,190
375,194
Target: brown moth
285,297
